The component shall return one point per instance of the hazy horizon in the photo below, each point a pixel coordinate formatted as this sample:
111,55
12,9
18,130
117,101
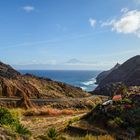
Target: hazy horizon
69,35
62,66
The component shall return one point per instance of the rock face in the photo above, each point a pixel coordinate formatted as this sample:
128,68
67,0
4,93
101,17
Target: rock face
104,74
128,73
15,85
7,71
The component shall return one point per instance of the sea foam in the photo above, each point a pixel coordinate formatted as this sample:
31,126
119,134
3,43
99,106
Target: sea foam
90,82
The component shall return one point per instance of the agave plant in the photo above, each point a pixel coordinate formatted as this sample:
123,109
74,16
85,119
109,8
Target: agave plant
52,133
20,129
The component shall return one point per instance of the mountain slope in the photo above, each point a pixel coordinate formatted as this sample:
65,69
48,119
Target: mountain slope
7,71
15,85
104,74
127,73
120,118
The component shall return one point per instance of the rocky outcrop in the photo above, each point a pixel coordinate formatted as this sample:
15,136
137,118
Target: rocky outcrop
128,74
15,85
7,71
104,74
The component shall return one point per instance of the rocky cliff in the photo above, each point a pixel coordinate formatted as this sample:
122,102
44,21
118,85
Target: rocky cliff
104,74
128,74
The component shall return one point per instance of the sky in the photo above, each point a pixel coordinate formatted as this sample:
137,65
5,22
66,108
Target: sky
69,34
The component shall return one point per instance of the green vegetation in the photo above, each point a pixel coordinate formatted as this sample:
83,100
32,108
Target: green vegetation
11,122
73,120
52,134
126,101
122,117
20,129
6,117
17,113
123,89
116,122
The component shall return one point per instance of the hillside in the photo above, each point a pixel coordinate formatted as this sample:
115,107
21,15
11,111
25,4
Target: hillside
120,119
7,71
15,85
104,74
127,74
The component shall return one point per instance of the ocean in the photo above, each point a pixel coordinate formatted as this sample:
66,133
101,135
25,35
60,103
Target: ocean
84,79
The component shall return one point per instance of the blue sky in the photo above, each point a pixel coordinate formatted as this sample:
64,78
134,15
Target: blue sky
69,34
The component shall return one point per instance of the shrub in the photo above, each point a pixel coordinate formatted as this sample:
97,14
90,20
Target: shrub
48,111
9,121
123,89
73,120
112,124
126,100
6,117
116,122
52,133
31,112
20,129
17,113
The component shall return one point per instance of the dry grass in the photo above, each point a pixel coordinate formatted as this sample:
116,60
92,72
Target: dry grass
49,111
90,137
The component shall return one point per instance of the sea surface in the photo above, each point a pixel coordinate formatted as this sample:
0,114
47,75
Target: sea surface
84,79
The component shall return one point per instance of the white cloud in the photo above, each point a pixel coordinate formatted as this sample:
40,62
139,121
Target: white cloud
128,23
92,22
108,23
124,10
28,8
